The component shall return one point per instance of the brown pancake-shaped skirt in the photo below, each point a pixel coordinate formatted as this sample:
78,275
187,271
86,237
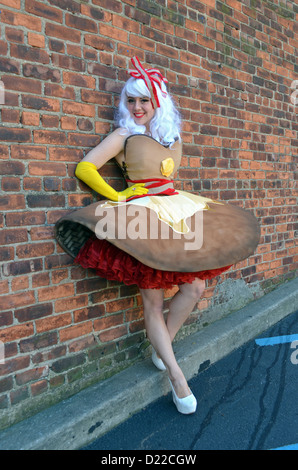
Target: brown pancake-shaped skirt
224,235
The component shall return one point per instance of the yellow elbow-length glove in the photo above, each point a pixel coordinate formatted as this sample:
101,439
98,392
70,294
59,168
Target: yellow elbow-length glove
87,172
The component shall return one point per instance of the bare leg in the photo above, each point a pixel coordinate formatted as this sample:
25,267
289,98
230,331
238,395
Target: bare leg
182,304
160,339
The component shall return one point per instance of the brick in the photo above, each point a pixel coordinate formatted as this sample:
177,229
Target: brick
45,200
6,384
50,121
13,365
6,254
68,363
35,250
69,5
12,168
34,312
89,285
78,109
39,387
36,40
11,184
21,84
59,92
16,332
85,124
52,184
59,276
13,236
12,202
3,48
41,72
113,333
57,46
45,11
119,305
53,322
4,152
144,43
32,184
65,62
26,152
47,169
125,24
55,261
83,24
56,292
4,287
30,119
62,32
75,331
99,43
210,130
10,115
14,35
10,134
75,79
113,5
49,137
33,374
95,13
41,103
22,267
82,344
32,54
72,304
42,233
168,51
19,19
112,33
68,123
39,341
12,3
89,313
65,154
150,7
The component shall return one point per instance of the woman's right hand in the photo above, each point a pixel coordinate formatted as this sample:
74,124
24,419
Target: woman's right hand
137,189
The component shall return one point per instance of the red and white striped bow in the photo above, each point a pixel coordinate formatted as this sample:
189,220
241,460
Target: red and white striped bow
151,77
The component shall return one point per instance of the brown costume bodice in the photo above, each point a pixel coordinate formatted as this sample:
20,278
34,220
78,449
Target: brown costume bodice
143,157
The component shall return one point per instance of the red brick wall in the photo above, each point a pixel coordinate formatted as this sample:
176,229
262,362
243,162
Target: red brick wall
230,65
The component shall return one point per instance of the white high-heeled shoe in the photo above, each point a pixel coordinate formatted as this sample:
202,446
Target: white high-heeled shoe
186,405
157,361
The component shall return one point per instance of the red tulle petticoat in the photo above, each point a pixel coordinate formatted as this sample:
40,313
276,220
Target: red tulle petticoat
114,264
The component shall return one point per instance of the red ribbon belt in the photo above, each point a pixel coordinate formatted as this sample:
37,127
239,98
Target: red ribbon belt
156,187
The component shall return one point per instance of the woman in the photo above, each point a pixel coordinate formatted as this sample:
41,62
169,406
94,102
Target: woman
147,146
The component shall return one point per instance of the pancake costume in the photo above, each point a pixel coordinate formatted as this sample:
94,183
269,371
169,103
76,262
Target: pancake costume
165,237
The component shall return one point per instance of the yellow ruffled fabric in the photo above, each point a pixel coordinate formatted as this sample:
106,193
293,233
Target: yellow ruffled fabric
173,210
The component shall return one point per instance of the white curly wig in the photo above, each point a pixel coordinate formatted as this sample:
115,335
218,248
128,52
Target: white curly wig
166,122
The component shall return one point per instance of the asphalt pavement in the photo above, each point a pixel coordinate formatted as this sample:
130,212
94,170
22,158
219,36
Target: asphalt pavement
246,401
